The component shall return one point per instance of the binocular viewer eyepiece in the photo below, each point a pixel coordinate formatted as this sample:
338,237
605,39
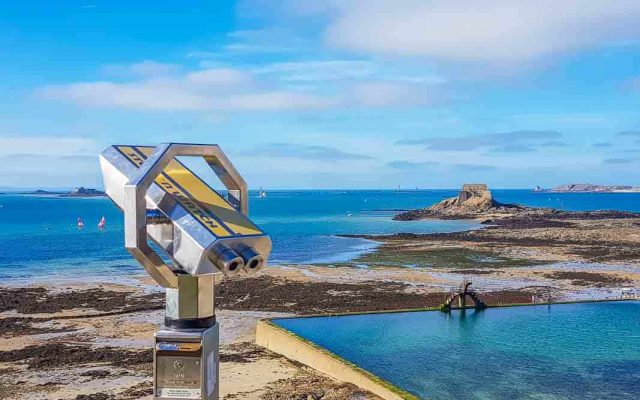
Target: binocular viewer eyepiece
202,231
231,262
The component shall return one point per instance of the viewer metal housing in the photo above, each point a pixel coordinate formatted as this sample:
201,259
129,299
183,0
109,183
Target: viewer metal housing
203,227
202,233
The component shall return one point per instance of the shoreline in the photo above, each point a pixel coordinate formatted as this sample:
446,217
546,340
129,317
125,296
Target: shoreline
102,334
101,330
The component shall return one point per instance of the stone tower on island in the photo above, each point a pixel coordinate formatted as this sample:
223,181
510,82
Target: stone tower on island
471,190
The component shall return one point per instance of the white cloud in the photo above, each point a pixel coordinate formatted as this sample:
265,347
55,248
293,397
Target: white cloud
219,77
621,161
474,167
48,161
501,32
381,94
243,43
147,68
240,90
504,142
274,101
306,152
180,96
263,41
148,95
329,70
42,146
629,134
411,165
346,70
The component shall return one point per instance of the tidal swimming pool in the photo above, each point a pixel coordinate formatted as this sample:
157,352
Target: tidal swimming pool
563,351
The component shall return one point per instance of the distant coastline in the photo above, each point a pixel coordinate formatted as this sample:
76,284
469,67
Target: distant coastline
591,188
568,188
75,192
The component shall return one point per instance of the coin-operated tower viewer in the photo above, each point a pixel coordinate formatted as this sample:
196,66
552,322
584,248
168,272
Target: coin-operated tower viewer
201,233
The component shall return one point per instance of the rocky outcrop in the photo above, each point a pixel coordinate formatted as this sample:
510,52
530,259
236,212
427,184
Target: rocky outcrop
473,201
85,192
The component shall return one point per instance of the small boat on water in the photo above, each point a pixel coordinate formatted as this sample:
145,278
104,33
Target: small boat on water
102,223
262,194
80,223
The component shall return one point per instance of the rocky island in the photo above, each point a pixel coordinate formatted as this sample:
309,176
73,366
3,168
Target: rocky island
475,201
41,192
84,192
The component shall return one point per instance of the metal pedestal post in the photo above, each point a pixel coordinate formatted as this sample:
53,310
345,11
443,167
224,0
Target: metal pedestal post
186,351
186,364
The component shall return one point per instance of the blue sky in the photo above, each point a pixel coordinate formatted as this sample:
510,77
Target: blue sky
327,94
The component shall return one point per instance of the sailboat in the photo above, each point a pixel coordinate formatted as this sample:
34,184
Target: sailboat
80,223
102,223
263,194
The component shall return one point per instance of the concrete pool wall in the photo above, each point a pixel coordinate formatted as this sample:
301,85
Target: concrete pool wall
294,347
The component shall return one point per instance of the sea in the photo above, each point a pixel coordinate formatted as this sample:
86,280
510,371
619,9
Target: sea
40,241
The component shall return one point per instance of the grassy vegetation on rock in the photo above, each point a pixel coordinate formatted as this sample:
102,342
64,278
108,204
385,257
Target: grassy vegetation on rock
442,258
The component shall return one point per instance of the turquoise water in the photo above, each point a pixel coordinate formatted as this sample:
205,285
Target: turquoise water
566,351
40,239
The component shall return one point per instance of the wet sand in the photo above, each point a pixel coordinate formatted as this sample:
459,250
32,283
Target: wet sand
564,259
54,349
604,240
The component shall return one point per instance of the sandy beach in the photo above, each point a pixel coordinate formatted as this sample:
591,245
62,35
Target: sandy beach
93,342
73,340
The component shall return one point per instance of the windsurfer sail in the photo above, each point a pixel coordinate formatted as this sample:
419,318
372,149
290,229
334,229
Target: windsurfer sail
80,223
102,223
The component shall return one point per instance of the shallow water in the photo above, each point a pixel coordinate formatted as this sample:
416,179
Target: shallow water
40,239
566,351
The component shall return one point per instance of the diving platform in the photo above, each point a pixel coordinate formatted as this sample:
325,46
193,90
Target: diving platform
458,300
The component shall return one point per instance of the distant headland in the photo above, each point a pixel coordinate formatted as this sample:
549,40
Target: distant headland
75,192
591,188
